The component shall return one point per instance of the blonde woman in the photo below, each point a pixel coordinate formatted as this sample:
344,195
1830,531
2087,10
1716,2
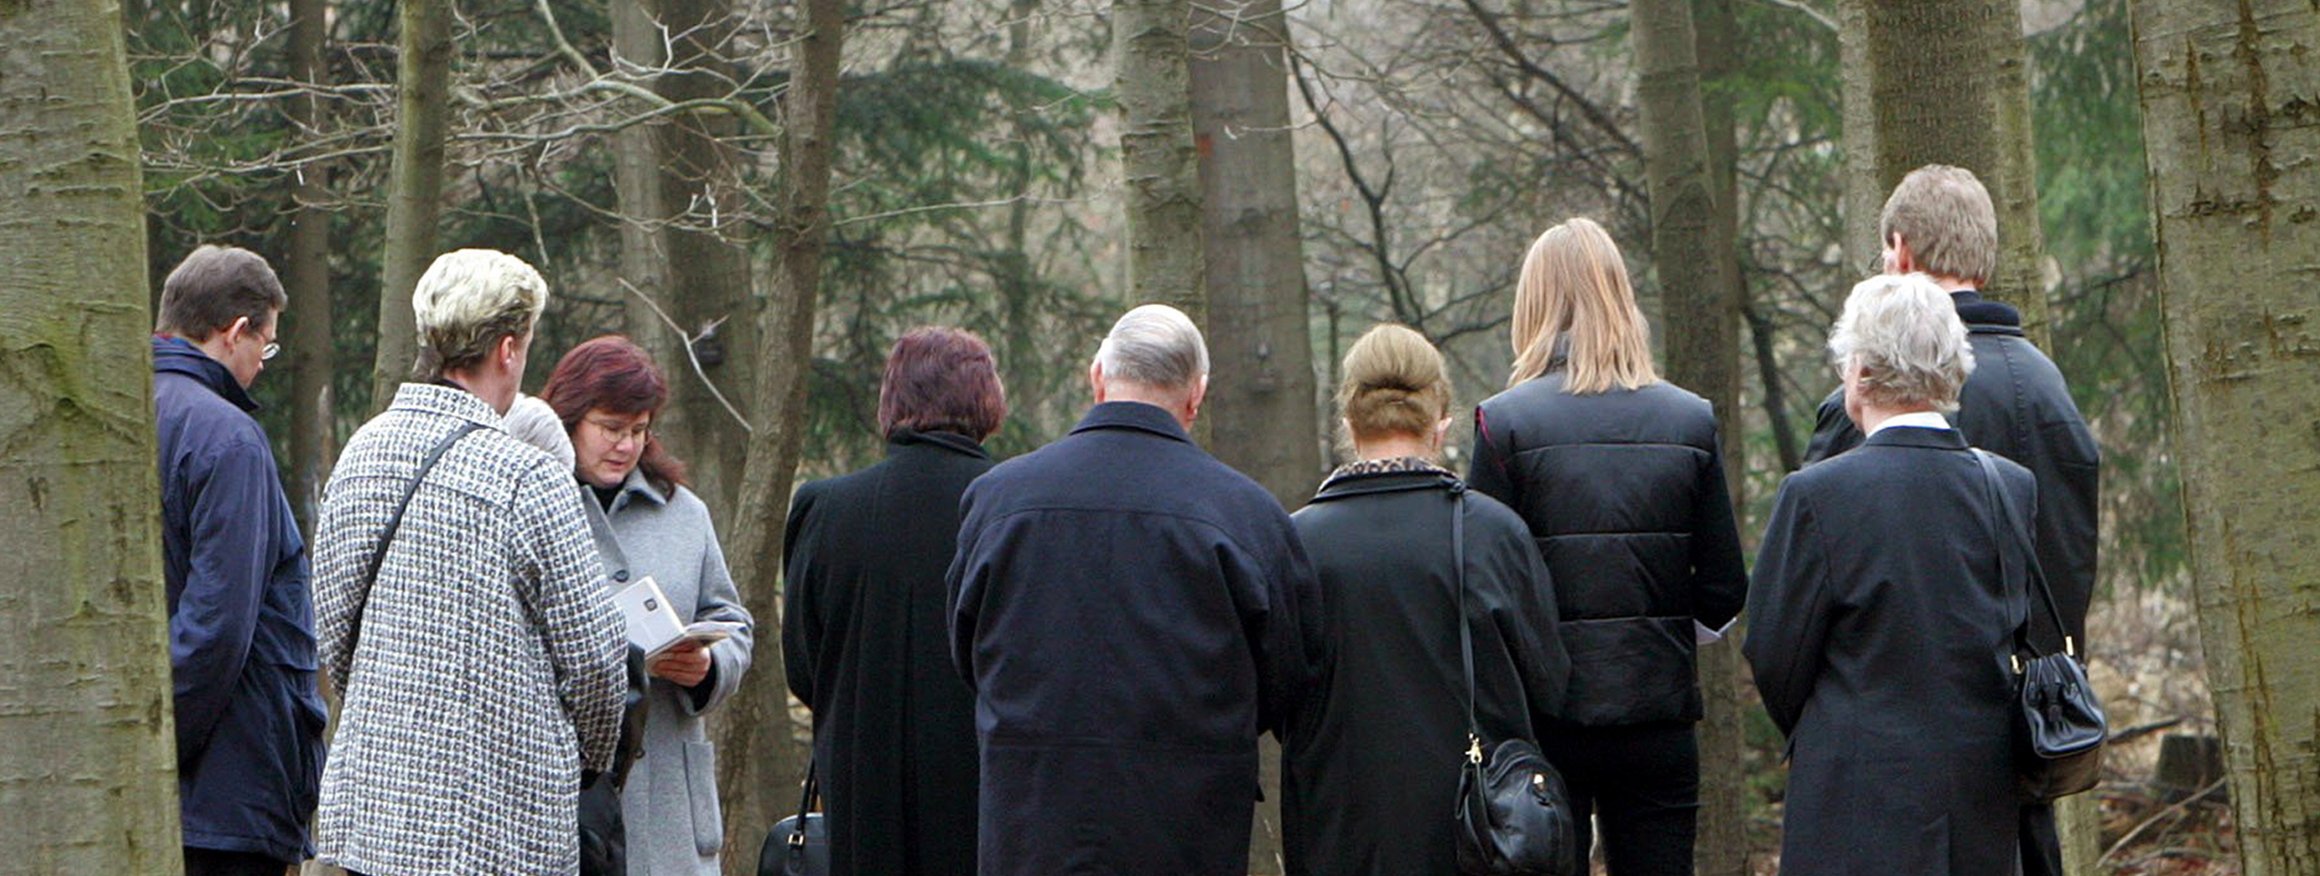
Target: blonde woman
1366,787
1618,476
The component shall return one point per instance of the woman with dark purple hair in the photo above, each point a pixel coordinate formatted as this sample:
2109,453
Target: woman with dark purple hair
865,630
647,523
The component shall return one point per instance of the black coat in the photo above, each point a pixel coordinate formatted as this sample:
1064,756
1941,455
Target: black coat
1370,770
1624,491
1131,614
2016,405
865,639
1879,630
241,617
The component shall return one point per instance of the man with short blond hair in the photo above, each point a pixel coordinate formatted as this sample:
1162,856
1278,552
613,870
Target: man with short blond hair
1939,221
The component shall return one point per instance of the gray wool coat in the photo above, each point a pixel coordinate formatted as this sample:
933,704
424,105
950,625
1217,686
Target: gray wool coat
669,807
489,668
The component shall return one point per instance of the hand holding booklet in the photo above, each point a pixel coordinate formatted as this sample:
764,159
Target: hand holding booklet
653,625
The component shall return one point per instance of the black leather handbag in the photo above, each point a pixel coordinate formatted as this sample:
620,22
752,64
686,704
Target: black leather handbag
800,844
1514,815
2059,726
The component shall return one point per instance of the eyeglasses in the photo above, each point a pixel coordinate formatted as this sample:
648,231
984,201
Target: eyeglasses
639,433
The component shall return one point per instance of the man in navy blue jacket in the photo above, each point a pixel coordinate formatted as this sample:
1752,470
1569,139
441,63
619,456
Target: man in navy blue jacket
241,617
1130,614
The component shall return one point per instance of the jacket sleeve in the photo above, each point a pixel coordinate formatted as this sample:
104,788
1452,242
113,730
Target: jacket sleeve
1833,430
1533,627
231,558
1292,646
1719,573
719,600
1788,610
1487,467
965,582
583,633
801,637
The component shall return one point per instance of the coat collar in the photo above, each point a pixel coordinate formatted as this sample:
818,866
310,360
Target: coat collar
449,401
175,355
1346,485
947,441
638,486
1132,415
1986,316
1913,436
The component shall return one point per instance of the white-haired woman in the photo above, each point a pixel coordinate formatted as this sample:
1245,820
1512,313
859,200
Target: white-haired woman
479,665
1881,618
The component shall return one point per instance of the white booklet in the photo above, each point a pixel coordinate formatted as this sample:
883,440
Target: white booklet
653,625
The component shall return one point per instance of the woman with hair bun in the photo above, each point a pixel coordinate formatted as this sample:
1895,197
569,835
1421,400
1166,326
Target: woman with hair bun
1370,765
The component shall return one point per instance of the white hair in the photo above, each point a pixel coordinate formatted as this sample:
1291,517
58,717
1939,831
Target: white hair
470,298
1904,334
532,421
1156,346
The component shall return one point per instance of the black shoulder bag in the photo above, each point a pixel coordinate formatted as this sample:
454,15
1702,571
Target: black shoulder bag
1514,815
797,845
2059,727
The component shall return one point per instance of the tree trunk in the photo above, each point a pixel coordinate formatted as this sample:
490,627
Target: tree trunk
312,422
1158,162
1947,84
2227,95
1864,189
636,182
88,766
1693,258
1018,284
708,264
1722,845
1259,334
414,185
763,764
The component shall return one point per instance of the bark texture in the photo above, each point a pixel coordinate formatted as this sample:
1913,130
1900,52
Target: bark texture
414,185
1261,405
1722,845
1159,164
307,280
2228,95
763,762
88,772
684,238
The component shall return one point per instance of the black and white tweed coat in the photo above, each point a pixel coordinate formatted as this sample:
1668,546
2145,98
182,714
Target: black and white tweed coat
489,667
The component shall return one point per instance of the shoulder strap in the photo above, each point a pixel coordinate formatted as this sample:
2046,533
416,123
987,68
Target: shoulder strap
395,523
797,831
2005,519
1465,634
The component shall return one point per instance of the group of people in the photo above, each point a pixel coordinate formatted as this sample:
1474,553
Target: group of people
1062,663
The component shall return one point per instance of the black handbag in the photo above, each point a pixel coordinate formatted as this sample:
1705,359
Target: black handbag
798,845
2059,727
1514,815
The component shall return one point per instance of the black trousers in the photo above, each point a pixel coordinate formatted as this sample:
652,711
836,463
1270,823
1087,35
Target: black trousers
2041,842
211,862
1641,782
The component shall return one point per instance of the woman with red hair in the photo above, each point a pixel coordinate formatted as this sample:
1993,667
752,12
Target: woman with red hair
865,628
649,524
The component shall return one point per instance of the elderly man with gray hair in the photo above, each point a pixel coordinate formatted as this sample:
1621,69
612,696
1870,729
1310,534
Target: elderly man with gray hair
461,609
1888,588
1130,614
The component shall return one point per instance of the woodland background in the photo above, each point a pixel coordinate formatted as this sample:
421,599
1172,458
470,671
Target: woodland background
766,194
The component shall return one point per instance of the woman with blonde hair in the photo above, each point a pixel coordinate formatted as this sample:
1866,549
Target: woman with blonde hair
1619,477
1368,778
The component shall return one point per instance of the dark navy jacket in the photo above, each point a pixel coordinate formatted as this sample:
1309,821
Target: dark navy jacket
1131,614
241,617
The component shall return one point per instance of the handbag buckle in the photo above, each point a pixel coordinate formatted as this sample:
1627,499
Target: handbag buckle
2015,659
1473,749
797,840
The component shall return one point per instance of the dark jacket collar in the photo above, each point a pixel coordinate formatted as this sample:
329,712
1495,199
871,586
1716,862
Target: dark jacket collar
1132,415
947,441
175,355
1918,436
1349,484
1986,315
